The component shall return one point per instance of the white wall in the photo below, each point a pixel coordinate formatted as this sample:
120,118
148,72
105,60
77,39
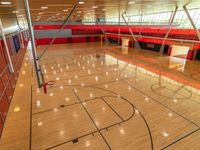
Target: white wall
179,50
125,42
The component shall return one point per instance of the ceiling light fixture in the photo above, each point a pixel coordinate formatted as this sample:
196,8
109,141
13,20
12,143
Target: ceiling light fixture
65,10
131,3
5,3
40,13
95,7
81,2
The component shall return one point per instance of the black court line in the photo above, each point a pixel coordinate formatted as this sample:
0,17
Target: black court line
64,106
51,109
92,121
189,98
194,74
88,86
160,103
72,140
175,93
112,109
105,128
187,135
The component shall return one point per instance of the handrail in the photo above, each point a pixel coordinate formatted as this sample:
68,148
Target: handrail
123,23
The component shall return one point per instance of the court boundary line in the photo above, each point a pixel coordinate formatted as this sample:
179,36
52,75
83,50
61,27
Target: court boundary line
161,103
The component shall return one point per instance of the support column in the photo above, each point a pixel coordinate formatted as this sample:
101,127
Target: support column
133,36
22,39
6,48
192,22
33,47
191,52
168,31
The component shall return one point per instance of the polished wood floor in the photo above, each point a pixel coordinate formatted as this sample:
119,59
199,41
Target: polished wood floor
105,97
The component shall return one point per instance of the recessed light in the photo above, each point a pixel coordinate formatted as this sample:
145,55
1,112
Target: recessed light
104,9
57,14
81,2
131,3
40,13
79,11
65,10
5,3
95,7
44,7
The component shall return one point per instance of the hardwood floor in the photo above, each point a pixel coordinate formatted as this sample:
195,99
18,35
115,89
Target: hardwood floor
104,98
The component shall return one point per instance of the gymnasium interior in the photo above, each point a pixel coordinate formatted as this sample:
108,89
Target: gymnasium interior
99,75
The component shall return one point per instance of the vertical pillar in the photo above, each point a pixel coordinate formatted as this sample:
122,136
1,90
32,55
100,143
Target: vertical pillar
168,31
6,48
169,50
191,52
33,47
22,39
130,30
192,22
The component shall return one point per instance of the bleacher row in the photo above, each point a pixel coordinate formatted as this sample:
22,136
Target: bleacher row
8,80
85,31
154,31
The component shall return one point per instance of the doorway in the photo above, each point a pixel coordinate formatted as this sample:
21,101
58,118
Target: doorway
180,51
